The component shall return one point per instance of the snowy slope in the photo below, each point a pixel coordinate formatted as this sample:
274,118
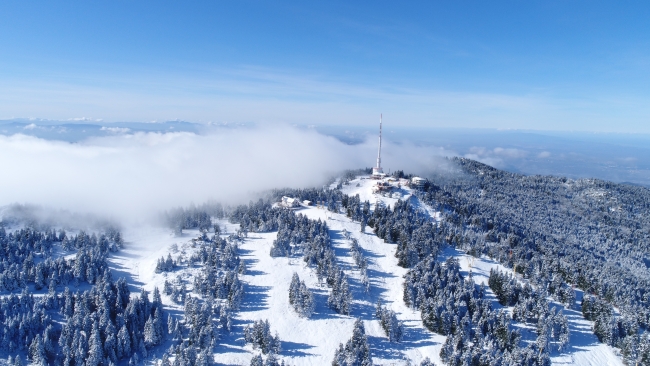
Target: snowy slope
304,341
584,348
386,284
313,341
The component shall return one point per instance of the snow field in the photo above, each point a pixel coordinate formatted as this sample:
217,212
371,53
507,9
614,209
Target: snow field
313,341
584,348
386,279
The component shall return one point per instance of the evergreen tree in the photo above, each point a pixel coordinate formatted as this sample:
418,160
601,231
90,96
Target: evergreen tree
300,297
257,361
259,335
37,352
123,343
340,297
95,348
393,328
294,288
356,351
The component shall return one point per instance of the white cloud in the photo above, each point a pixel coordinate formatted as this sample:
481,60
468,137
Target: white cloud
495,162
85,119
131,176
510,152
116,129
495,157
544,155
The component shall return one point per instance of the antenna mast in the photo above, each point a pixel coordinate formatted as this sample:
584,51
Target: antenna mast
377,171
379,153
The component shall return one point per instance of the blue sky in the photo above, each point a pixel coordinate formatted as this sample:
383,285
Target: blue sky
551,65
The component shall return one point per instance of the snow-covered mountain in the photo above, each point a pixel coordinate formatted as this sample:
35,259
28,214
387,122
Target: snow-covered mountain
203,292
313,341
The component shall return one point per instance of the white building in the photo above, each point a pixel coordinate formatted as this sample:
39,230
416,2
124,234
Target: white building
382,186
417,182
289,202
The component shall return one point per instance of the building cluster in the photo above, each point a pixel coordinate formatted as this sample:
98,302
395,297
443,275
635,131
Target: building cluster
290,202
386,185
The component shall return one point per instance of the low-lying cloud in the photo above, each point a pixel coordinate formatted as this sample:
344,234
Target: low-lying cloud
132,176
496,156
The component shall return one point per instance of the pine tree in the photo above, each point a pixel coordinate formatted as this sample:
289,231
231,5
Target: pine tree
170,324
294,288
48,340
340,358
356,351
37,352
271,360
150,336
257,361
157,300
259,335
393,328
340,297
307,301
165,360
564,336
205,358
110,344
123,343
95,349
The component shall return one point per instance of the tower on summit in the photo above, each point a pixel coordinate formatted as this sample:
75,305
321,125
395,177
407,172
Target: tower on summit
377,171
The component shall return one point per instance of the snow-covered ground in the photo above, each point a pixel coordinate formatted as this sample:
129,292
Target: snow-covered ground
313,341
584,347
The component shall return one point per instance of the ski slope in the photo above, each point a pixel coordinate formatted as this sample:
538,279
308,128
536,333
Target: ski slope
313,341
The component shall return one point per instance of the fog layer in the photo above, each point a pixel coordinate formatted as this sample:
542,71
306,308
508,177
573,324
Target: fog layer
130,177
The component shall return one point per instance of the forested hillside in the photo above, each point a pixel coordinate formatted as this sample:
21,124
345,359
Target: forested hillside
558,233
355,278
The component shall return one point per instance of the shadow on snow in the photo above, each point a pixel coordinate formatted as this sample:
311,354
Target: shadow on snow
255,298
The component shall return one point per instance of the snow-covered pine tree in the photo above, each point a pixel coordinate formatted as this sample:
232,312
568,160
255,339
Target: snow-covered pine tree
356,351
294,288
110,343
37,352
259,335
300,297
307,301
257,361
170,324
393,328
340,297
151,338
205,358
123,343
95,347
18,361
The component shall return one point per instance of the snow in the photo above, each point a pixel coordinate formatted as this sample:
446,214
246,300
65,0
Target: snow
365,192
137,259
584,349
305,341
386,279
313,341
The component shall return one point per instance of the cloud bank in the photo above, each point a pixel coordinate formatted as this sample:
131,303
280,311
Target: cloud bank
497,156
130,177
